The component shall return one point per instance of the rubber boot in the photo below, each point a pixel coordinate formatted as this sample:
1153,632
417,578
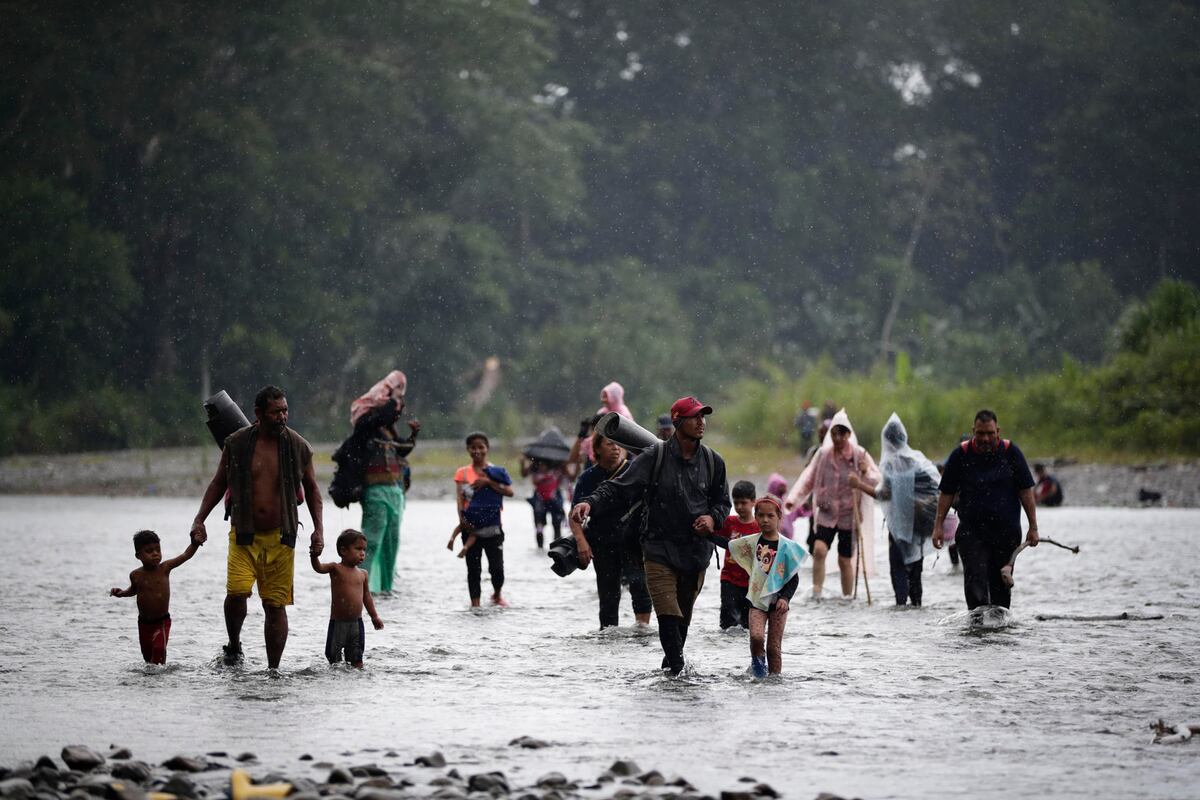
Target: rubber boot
669,629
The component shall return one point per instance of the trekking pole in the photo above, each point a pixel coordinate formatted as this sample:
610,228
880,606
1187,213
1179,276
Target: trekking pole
858,544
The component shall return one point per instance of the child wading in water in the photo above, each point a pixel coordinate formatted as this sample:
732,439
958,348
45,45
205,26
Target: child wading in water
151,584
480,489
348,584
735,608
773,564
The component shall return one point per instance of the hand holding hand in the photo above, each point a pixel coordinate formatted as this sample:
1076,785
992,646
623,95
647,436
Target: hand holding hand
316,544
198,529
704,524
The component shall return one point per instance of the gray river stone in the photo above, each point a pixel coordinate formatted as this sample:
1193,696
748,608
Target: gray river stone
181,785
432,760
376,793
80,757
340,775
487,782
552,780
624,768
17,788
185,764
133,771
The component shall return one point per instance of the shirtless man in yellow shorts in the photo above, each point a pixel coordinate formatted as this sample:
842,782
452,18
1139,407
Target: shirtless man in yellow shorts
267,469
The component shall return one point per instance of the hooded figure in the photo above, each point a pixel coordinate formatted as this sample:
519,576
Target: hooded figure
910,492
825,479
613,398
777,486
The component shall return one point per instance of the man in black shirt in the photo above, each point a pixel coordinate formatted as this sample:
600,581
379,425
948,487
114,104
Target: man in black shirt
992,481
687,501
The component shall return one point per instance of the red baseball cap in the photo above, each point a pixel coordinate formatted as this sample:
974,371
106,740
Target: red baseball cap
688,407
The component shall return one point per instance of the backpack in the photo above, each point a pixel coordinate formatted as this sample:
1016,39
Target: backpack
350,473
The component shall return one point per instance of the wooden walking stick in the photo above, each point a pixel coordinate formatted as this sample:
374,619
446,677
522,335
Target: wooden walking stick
1006,572
858,545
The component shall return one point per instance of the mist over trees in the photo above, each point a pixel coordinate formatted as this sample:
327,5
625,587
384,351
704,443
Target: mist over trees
680,196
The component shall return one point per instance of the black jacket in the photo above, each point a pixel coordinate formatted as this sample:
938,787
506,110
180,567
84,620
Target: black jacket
683,493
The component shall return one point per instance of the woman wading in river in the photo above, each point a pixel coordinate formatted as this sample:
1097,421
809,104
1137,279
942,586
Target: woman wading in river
374,417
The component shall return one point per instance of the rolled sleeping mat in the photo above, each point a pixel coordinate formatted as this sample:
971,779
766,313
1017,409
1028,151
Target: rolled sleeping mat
625,432
224,417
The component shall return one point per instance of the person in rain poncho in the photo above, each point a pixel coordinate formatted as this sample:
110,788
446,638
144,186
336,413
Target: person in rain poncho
909,491
374,417
612,398
827,479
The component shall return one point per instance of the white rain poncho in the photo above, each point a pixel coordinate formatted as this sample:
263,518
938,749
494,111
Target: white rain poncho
909,492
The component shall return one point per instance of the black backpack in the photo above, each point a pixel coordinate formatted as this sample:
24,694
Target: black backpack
350,473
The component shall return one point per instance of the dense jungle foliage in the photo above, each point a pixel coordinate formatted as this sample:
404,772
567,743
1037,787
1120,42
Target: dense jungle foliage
917,204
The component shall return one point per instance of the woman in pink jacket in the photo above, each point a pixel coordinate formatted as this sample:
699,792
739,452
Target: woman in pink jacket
827,479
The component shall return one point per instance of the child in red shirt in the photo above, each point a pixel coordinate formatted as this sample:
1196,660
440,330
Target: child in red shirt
735,608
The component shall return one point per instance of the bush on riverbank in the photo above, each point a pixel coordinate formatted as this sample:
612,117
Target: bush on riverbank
1143,401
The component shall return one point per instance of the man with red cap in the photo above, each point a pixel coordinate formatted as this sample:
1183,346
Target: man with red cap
682,485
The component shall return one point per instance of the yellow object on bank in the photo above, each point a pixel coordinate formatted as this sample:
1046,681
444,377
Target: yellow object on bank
244,789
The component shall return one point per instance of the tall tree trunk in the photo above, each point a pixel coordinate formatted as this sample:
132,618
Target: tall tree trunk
905,277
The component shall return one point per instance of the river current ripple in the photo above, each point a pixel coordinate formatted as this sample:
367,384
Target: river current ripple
874,701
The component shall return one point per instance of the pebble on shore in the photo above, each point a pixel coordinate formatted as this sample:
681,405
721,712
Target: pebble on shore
120,777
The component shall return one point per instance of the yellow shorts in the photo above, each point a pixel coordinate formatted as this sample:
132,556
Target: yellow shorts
268,561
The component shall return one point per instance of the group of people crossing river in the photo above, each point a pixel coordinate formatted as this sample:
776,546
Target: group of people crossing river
651,520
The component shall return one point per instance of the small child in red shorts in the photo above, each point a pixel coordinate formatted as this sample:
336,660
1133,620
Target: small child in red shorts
151,584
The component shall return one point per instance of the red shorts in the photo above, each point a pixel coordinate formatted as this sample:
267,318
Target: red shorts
153,638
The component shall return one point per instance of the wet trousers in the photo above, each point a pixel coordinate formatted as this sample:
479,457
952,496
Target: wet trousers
735,607
906,578
673,595
613,559
494,547
766,636
983,553
383,508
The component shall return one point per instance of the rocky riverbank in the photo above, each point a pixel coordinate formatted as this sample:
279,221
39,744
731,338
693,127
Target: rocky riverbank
82,773
184,472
